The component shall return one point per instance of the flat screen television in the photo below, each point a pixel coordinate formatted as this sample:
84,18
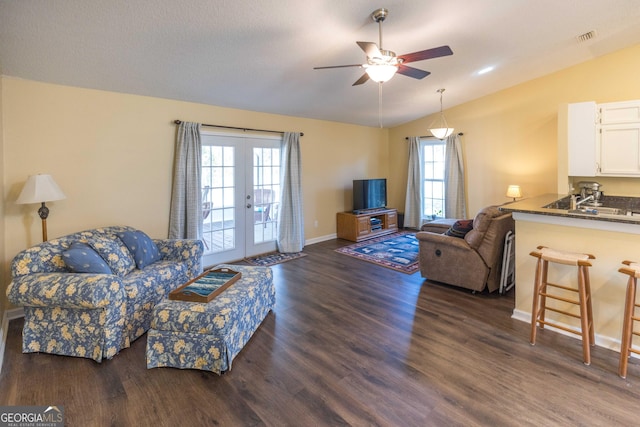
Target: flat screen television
369,194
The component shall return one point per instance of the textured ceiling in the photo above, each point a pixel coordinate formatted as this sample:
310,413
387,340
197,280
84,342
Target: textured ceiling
259,55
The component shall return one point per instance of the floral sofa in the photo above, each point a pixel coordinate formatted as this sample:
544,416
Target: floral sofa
90,294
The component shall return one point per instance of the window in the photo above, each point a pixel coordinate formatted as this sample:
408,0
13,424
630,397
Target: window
433,155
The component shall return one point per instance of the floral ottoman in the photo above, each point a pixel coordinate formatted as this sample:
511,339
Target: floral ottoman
208,336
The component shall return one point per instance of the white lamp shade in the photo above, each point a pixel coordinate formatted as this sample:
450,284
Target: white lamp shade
38,189
381,73
514,191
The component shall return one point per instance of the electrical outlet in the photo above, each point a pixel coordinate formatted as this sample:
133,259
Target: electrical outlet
315,223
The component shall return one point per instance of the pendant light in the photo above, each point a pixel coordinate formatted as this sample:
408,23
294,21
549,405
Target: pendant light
439,127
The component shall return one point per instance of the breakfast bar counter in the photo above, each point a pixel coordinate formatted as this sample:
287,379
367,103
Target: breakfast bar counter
538,206
610,238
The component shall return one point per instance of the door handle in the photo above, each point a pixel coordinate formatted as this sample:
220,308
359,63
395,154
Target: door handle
248,205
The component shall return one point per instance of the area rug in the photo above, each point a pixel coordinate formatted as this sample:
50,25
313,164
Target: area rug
273,258
398,251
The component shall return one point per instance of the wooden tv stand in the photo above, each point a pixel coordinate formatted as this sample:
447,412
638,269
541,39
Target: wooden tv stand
367,225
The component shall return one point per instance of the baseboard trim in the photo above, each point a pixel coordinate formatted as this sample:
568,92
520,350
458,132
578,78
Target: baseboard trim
15,313
9,315
321,239
3,337
601,340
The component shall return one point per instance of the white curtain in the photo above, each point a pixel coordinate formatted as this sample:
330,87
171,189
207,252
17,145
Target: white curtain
413,200
291,219
455,205
185,216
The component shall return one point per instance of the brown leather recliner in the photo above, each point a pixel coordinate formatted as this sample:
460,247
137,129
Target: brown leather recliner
473,262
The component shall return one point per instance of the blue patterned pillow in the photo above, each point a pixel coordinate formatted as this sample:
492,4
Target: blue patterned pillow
80,258
115,254
144,251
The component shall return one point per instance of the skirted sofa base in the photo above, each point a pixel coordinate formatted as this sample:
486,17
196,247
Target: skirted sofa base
208,336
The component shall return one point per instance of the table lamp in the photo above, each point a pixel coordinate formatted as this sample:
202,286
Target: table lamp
40,188
514,191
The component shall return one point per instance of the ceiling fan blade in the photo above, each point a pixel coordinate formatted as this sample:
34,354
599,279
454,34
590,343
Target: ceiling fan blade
436,52
361,80
337,66
412,72
371,49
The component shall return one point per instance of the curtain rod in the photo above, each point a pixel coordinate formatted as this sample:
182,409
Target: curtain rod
431,136
233,127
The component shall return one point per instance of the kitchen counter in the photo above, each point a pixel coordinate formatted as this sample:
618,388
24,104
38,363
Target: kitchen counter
532,209
610,238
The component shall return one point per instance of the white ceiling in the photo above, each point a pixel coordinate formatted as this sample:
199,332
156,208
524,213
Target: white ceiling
259,55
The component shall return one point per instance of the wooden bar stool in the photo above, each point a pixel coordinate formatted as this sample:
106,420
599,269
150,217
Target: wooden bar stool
633,270
541,293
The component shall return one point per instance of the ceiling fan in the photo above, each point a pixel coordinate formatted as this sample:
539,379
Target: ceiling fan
382,64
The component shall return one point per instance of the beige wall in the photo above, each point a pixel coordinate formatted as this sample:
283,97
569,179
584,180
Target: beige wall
608,286
4,273
510,137
112,155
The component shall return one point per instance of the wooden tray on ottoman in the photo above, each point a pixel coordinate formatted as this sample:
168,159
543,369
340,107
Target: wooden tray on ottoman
206,286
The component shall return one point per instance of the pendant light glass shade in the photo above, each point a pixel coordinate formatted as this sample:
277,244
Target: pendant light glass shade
439,128
441,133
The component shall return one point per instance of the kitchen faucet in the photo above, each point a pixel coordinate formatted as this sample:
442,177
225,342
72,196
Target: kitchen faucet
586,199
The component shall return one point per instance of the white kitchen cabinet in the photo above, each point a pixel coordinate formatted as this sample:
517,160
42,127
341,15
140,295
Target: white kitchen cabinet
619,112
577,126
601,139
618,138
619,149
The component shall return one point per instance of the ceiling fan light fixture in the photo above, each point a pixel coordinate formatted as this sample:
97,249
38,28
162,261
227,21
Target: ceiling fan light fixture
439,127
383,64
381,73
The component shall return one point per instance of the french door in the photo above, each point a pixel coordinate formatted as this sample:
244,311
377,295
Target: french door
240,195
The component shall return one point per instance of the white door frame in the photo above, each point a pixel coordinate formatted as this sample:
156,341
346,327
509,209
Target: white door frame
233,193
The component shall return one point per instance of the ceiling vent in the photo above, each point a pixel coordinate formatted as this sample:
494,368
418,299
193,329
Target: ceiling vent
586,36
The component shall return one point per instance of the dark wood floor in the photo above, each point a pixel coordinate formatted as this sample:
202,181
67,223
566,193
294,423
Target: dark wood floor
349,343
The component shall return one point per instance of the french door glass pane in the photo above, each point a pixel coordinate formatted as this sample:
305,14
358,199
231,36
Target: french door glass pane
218,201
266,190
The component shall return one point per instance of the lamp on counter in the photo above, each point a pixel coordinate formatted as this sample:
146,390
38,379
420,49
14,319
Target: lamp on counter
439,127
40,189
514,191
